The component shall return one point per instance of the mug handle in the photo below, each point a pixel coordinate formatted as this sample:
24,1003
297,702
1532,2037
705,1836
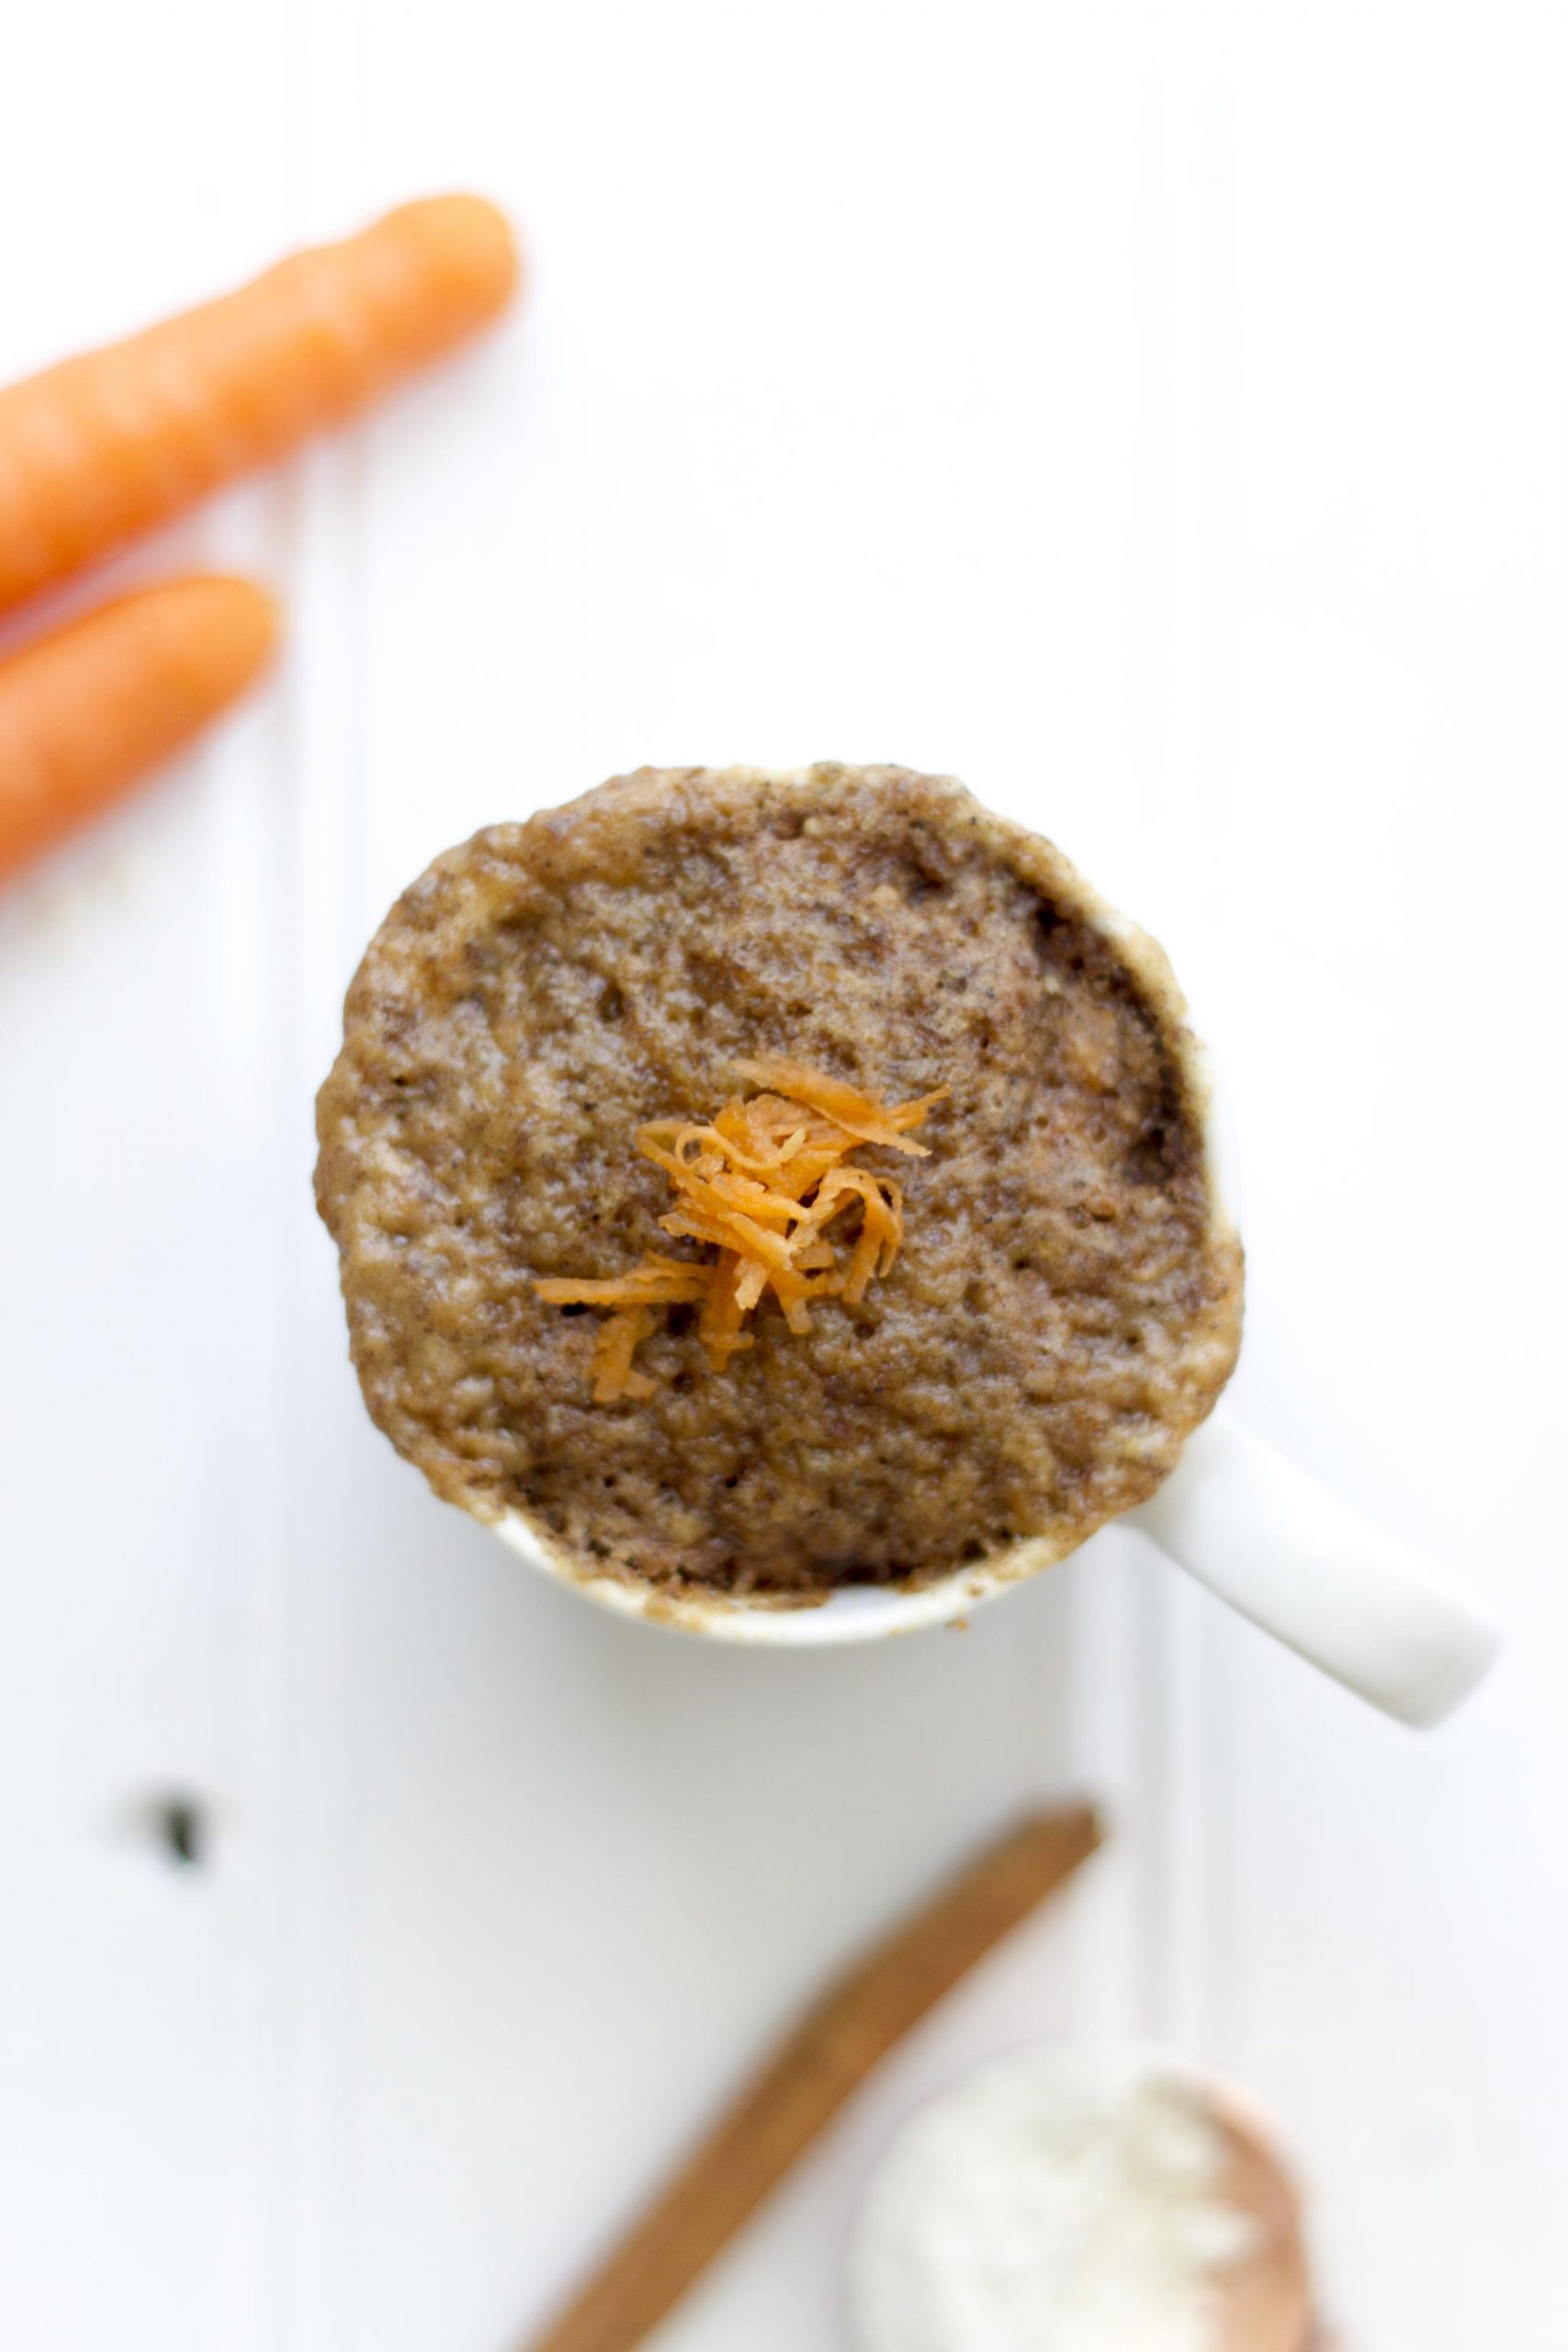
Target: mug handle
1278,1547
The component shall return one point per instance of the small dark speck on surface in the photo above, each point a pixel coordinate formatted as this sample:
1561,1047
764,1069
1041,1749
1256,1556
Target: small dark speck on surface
182,1828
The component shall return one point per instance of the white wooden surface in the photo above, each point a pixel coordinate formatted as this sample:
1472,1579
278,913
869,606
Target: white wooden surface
1156,416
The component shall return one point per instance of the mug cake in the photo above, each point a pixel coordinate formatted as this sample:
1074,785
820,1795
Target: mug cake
763,1183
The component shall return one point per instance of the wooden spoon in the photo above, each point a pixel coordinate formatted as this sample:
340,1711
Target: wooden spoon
1267,2299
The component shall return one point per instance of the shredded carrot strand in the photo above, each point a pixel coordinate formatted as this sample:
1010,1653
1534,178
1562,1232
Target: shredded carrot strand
613,1353
867,1121
760,1184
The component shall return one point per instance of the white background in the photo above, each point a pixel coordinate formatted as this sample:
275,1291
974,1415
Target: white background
1159,418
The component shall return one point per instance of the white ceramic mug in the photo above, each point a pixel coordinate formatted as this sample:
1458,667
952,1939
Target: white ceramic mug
1233,1513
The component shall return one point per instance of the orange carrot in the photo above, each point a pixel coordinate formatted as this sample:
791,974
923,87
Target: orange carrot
85,712
117,440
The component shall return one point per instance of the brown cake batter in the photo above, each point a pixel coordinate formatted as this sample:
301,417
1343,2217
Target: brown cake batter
1063,1311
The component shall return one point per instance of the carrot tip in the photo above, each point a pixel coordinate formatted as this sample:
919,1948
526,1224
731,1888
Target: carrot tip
88,709
468,243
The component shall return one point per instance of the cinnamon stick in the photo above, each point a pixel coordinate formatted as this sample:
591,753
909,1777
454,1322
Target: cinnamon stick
801,2089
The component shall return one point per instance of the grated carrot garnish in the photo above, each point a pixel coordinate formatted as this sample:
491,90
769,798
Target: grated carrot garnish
857,1114
759,1184
613,1353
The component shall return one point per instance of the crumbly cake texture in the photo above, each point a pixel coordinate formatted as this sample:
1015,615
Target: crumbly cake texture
1067,1304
